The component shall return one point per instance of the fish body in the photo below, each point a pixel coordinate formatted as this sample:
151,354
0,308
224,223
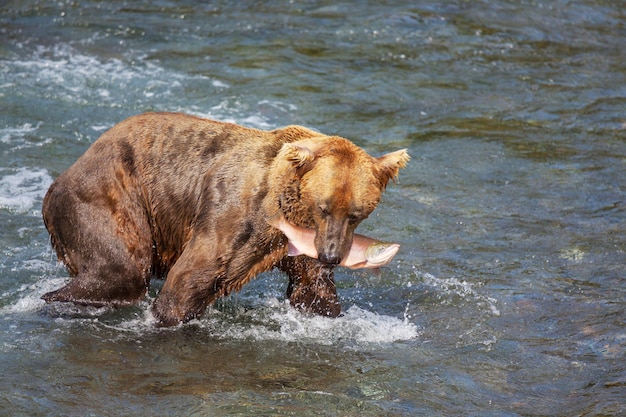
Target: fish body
365,252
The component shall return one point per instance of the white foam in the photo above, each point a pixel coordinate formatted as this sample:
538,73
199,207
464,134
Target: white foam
277,320
233,111
227,111
10,134
21,189
272,319
67,74
29,295
100,128
220,84
279,105
75,77
21,137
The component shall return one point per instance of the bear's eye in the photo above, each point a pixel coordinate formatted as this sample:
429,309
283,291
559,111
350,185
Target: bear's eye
324,210
353,218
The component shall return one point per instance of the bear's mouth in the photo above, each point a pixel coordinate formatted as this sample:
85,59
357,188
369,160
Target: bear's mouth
364,252
326,266
329,260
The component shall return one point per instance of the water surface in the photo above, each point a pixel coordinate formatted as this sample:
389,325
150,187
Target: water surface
508,295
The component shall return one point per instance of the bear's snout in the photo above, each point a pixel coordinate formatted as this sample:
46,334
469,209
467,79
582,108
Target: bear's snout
329,259
333,241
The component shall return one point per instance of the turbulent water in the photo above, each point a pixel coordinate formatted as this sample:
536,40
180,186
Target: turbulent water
508,296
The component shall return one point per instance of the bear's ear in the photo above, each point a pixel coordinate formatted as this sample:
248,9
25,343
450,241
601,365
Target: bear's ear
300,154
390,164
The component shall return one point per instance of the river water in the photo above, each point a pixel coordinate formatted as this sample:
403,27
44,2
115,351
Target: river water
508,296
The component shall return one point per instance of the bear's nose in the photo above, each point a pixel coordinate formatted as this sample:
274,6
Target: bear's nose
329,259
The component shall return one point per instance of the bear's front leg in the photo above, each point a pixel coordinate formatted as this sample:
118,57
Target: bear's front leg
193,283
311,286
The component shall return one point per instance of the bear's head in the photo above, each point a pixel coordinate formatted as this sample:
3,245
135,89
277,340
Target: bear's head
338,186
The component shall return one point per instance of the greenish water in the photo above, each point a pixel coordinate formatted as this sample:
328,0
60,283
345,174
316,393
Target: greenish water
508,296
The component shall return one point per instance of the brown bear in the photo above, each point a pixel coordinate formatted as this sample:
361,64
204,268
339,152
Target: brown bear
186,198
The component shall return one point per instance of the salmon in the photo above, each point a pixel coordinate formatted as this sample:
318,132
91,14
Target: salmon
365,252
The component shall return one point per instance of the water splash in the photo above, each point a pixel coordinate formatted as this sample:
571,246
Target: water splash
460,288
267,318
20,189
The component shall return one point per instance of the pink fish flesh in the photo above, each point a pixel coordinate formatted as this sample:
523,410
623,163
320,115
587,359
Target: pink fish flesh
365,252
